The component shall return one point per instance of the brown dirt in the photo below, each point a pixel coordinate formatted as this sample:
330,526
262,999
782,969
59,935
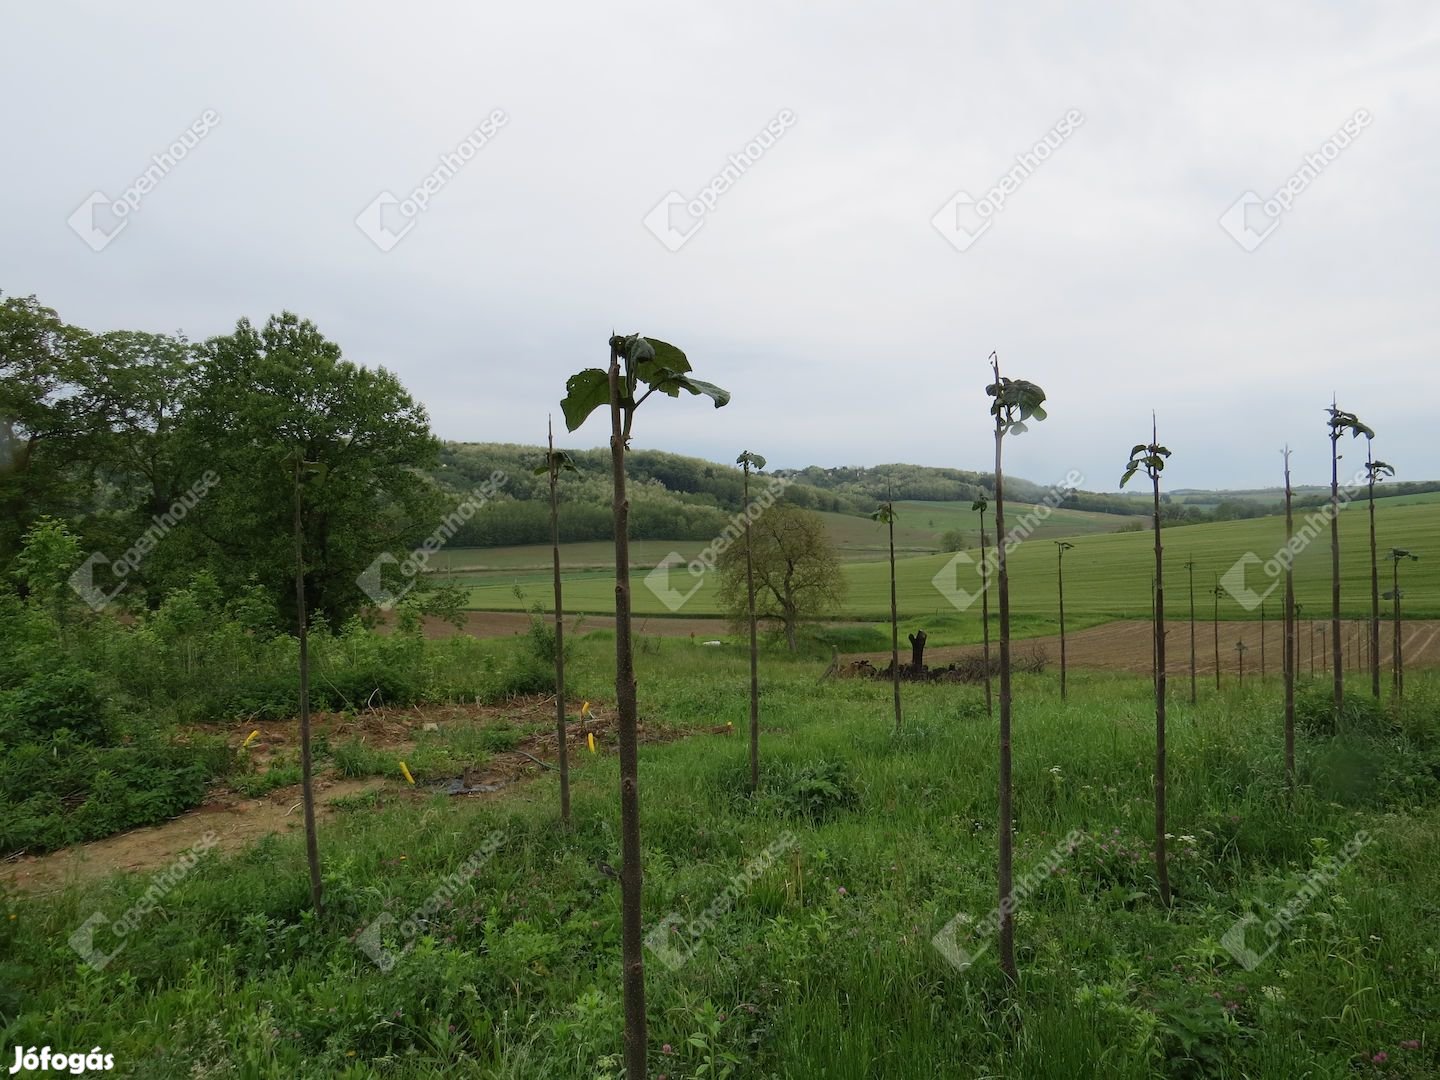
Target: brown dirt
1124,645
239,820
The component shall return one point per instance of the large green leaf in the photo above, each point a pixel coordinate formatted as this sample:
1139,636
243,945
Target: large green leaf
672,382
585,392
755,460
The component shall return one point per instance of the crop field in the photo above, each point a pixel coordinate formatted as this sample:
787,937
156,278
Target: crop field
1107,575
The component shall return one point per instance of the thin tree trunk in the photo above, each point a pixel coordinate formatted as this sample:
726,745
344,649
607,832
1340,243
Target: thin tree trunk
1335,645
560,733
1191,567
307,783
1397,660
1060,581
754,645
1007,854
985,614
1262,643
1290,650
894,616
1162,871
631,958
1374,600
1216,621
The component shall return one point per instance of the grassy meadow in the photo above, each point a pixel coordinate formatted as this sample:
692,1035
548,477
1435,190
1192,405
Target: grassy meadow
862,845
1107,574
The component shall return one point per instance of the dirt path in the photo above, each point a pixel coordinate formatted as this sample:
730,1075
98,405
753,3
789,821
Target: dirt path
238,820
1125,645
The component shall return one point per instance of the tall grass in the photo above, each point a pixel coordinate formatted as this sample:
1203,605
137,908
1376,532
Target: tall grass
822,967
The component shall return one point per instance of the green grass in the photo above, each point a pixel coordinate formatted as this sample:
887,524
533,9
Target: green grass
1107,575
822,966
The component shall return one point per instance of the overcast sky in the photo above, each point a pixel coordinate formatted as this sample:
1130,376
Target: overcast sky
828,288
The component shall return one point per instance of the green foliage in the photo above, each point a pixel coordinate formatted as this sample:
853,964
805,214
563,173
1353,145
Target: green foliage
656,364
813,790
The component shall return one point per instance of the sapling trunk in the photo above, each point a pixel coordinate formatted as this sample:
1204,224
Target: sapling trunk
1190,567
1007,854
1374,642
632,961
985,614
1290,618
754,639
307,782
1162,871
894,612
1337,657
560,733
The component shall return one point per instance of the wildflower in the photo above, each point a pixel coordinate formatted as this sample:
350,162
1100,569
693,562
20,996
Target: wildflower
842,891
1054,770
1410,1044
667,1049
1380,1058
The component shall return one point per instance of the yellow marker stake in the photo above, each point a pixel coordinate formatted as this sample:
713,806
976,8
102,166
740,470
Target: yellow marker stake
590,739
585,710
406,771
250,738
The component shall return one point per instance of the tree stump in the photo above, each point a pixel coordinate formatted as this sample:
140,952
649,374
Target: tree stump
917,652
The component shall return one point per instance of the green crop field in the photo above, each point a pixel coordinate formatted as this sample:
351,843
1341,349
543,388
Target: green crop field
1107,575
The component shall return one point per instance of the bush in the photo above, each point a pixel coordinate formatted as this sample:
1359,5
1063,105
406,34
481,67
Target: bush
1360,714
61,699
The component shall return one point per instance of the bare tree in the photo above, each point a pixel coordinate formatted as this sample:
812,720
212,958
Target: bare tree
886,513
1396,557
748,461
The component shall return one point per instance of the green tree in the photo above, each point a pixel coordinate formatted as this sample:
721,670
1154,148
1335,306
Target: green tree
261,396
635,362
796,568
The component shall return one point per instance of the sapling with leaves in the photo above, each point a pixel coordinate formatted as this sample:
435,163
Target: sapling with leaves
1396,557
886,514
982,504
639,366
748,461
556,462
1150,458
1061,546
314,472
1375,471
1339,422
1015,403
